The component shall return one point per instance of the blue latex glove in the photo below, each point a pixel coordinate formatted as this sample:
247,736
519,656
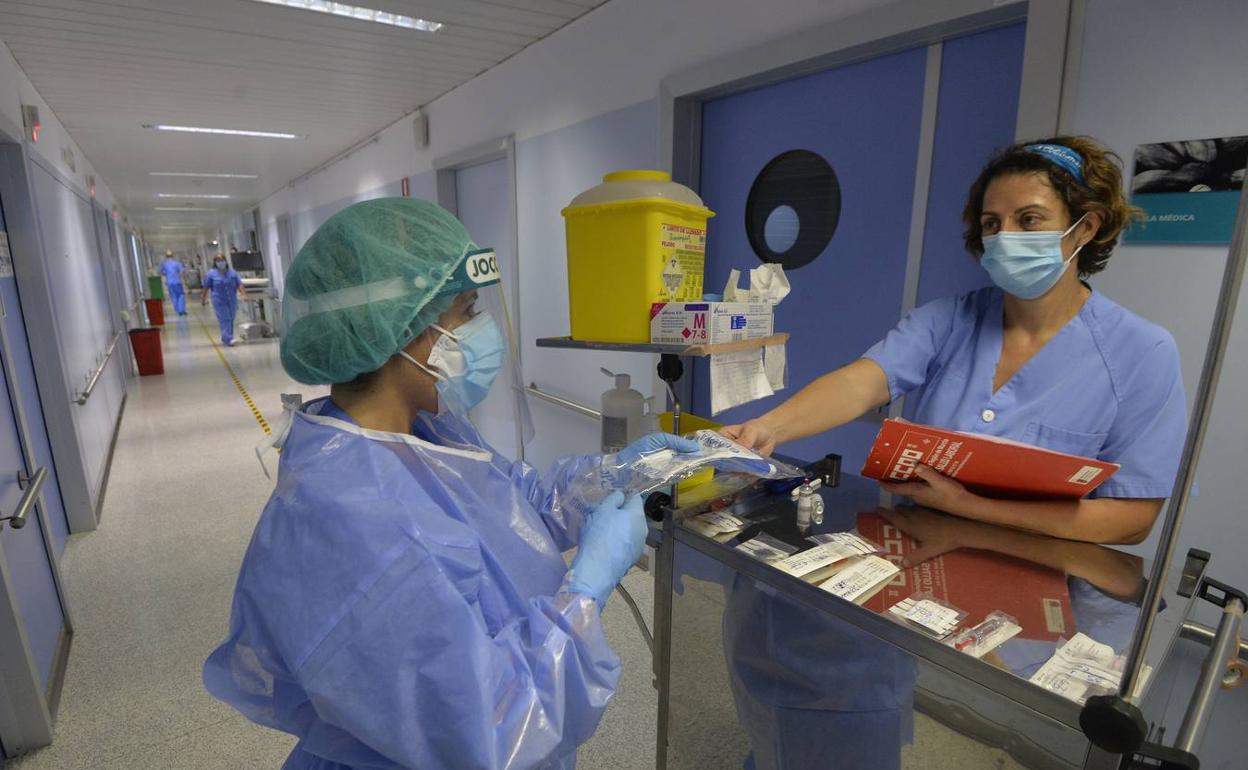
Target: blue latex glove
612,540
654,442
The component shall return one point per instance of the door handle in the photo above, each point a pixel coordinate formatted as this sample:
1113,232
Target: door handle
32,486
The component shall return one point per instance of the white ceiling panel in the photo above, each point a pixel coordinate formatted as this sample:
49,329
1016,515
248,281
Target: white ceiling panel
107,67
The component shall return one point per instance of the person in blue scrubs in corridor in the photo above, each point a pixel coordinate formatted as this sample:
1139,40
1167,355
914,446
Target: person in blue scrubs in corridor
1040,357
404,602
223,284
171,269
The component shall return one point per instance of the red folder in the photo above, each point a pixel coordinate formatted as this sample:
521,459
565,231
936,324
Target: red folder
987,465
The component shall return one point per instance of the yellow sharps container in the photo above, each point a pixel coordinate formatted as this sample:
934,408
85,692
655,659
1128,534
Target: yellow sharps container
636,239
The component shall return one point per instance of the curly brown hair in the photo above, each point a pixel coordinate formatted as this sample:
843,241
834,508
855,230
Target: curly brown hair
1101,193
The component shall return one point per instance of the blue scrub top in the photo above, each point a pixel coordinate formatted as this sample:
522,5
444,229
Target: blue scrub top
172,270
1108,385
223,287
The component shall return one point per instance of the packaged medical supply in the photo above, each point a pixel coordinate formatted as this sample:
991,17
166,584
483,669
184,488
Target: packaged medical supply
831,548
715,524
709,323
861,578
1083,667
664,467
766,548
993,631
634,240
924,612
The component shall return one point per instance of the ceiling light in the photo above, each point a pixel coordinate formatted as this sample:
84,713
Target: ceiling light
191,195
202,176
179,208
356,12
226,131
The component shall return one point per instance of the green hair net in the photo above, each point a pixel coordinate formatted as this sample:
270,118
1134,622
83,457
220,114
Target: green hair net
365,284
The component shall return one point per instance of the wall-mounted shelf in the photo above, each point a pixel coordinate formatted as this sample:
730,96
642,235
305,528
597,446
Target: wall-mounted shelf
568,343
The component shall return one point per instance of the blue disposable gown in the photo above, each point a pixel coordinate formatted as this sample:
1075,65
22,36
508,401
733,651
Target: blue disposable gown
401,605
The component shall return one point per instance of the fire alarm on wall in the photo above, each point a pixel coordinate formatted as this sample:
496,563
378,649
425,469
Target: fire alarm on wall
30,119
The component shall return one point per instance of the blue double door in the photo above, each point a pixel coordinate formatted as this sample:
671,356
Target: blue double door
35,628
867,121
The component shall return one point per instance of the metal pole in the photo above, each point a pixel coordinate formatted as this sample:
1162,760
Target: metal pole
538,393
1198,632
1225,647
1232,277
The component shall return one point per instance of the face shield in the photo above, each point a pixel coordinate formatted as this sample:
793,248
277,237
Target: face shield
477,360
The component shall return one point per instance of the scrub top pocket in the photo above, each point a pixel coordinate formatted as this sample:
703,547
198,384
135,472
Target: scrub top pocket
1063,440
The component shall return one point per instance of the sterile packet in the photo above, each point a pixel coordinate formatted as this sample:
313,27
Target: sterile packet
664,467
924,612
993,631
766,548
715,524
830,549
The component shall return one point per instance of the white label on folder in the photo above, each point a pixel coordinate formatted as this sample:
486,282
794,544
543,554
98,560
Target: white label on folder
860,577
1086,475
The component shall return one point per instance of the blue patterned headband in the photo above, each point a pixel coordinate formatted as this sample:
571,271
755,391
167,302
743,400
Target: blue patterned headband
1061,156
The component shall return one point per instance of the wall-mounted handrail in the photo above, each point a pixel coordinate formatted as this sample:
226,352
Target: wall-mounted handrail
94,379
32,485
534,391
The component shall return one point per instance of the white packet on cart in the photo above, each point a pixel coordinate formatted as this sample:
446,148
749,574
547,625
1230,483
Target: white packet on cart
928,614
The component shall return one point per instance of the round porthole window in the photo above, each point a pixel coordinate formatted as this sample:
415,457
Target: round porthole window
793,209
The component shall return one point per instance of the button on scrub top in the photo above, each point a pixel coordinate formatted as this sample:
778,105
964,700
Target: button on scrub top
1108,385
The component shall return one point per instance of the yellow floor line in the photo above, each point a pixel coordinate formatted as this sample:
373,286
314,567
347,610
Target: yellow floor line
255,410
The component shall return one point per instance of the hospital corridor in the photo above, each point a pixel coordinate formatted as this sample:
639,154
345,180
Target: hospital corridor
623,385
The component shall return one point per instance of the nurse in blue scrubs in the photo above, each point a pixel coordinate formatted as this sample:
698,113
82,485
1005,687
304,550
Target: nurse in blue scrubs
1040,357
224,286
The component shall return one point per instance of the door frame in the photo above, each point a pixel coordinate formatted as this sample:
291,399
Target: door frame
27,710
446,190
1048,71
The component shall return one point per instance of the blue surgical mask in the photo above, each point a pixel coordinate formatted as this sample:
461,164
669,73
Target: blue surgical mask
1027,264
465,362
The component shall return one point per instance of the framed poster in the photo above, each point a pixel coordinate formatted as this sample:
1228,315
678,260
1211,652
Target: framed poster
1189,190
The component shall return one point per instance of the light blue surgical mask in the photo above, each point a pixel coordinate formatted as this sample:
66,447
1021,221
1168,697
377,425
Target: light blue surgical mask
1027,264
465,362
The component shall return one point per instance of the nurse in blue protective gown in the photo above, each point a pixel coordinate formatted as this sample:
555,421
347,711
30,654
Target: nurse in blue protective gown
404,602
224,286
1039,357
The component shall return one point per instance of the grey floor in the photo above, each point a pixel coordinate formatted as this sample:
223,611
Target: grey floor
150,589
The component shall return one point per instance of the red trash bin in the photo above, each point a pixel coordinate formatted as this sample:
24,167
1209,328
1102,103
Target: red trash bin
147,352
155,311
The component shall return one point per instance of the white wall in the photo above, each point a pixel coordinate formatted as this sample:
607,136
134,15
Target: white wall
611,58
579,104
16,90
70,277
1151,71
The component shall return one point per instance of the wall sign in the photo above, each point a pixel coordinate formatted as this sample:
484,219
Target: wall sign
1189,190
